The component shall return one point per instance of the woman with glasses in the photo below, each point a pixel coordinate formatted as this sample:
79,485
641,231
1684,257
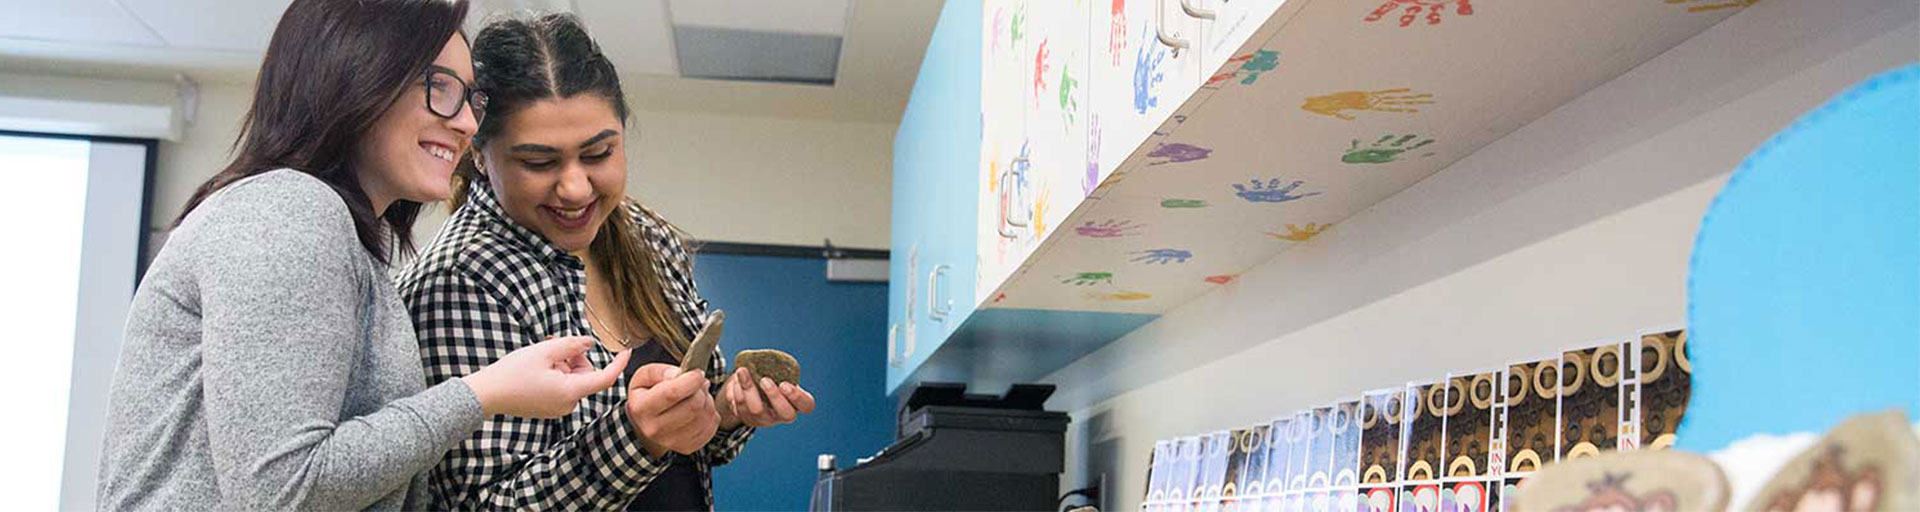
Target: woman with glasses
268,363
545,242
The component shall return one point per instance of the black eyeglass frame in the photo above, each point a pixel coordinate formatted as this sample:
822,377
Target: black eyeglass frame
468,96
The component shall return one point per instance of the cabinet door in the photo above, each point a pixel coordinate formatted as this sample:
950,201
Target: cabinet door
1005,180
1034,109
1140,75
936,154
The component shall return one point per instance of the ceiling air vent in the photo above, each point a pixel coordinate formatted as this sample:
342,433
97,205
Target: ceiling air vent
756,56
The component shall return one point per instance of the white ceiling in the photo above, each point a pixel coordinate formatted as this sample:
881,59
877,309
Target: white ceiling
222,40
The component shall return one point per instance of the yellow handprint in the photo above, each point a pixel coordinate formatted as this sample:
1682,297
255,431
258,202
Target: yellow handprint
1389,100
1040,215
1299,233
993,173
1714,5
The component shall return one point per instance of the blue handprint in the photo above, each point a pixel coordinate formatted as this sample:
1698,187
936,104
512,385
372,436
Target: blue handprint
1147,74
1163,256
1270,191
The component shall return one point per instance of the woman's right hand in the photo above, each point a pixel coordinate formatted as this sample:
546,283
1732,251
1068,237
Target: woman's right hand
671,410
543,380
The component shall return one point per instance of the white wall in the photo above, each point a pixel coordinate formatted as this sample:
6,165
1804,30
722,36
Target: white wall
1574,229
722,178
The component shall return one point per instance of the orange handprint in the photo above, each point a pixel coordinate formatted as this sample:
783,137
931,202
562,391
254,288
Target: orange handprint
1388,100
1118,296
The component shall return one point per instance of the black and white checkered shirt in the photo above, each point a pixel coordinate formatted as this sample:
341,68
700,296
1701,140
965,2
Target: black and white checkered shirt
487,286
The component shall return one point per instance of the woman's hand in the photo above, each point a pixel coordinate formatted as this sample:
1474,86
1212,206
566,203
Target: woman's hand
741,403
670,410
543,380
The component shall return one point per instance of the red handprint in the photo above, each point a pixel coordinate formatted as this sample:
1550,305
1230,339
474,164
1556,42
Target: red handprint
1415,7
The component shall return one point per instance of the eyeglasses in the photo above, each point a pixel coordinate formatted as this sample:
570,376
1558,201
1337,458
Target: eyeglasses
446,92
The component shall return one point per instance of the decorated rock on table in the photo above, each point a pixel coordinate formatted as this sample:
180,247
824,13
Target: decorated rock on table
1869,462
1637,480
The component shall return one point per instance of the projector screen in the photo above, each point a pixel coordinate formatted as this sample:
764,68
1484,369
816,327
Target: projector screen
75,214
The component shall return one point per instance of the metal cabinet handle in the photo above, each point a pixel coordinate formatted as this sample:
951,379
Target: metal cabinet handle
1160,29
935,310
893,333
1187,5
1008,221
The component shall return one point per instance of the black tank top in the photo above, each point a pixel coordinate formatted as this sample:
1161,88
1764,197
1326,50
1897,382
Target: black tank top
679,487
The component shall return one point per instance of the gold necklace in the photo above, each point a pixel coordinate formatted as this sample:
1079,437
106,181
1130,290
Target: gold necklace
591,316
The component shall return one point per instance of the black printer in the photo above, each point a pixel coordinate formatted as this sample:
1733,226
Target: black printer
958,451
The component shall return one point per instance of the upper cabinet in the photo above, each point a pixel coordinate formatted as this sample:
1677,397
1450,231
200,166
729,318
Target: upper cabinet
1134,154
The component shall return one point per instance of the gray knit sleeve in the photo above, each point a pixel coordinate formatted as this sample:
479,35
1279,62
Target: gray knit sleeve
284,292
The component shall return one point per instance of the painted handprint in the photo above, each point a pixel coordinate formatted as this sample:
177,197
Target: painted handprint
1089,279
1019,23
1433,9
1177,153
1270,191
1298,233
1109,229
1147,76
1092,178
1162,256
1387,149
1251,66
1068,104
1118,296
1713,5
1117,33
1040,214
1388,100
1182,203
1039,72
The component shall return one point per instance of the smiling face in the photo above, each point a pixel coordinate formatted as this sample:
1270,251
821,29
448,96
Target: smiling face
559,167
410,152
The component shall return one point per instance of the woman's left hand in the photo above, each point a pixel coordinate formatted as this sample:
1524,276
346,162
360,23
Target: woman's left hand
741,403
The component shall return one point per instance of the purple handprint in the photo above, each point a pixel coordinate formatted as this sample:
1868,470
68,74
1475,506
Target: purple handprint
1163,256
1270,191
1178,152
1092,179
1109,229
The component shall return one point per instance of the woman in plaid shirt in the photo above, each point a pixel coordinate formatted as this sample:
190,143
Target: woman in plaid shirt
543,242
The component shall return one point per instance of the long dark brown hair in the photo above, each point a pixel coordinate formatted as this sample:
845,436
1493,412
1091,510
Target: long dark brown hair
517,61
332,68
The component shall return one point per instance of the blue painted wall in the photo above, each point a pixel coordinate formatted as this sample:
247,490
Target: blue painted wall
838,332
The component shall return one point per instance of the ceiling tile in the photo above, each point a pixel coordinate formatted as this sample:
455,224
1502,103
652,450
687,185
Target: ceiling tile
211,24
634,33
73,21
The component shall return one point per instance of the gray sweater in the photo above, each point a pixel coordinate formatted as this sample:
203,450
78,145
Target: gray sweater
268,364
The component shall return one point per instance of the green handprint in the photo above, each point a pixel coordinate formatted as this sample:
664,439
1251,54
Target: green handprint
1019,24
1089,279
1067,103
1183,203
1387,149
1262,61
